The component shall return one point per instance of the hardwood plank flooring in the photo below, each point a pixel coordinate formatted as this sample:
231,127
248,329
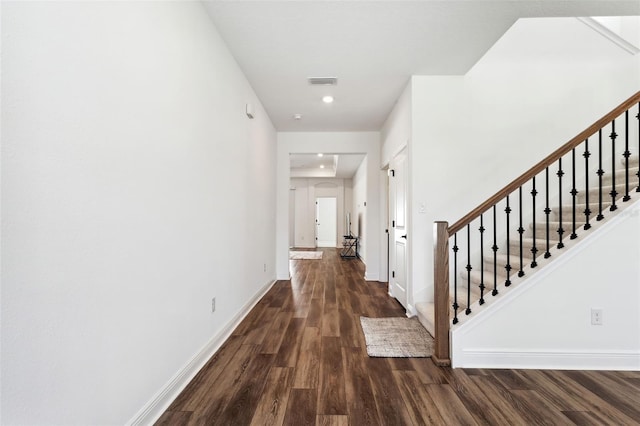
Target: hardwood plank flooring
299,358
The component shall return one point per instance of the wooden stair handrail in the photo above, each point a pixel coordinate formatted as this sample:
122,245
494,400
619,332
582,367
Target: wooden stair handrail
546,162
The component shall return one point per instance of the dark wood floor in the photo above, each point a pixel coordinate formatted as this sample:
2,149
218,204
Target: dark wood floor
299,358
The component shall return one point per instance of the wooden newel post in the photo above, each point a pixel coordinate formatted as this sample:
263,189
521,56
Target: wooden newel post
441,293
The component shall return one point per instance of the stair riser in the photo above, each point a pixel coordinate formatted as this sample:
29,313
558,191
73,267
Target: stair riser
488,281
462,293
526,248
620,175
606,196
567,210
541,228
633,161
515,266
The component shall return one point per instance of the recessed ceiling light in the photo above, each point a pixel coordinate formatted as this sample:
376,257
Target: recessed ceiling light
297,116
327,99
320,154
322,166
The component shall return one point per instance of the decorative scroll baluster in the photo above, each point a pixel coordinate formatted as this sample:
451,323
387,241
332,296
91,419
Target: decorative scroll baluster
600,173
587,210
507,267
495,254
638,172
520,229
574,192
547,210
534,250
481,229
560,173
455,278
613,192
626,155
469,268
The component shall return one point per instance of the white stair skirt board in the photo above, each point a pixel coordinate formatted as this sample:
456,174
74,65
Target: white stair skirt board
155,407
548,360
468,350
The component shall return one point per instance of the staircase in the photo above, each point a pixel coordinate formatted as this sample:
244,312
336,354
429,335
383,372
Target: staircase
569,193
425,310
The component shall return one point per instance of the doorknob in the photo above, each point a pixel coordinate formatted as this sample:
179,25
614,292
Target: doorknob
404,236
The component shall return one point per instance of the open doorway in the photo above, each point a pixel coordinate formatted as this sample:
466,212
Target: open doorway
326,222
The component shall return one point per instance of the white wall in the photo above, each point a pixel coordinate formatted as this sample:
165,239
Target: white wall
396,130
306,192
337,143
540,85
546,323
359,209
133,186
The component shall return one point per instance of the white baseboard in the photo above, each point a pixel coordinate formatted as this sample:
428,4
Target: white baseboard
370,277
547,360
411,311
153,409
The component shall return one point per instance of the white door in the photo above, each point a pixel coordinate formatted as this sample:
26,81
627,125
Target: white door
398,239
326,222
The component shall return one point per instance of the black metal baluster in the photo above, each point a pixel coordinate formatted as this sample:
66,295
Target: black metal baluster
481,229
520,230
574,192
495,253
587,210
507,267
560,173
600,173
613,192
626,155
534,249
469,268
455,278
638,172
547,210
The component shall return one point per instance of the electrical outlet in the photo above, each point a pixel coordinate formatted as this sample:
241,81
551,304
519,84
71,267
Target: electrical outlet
265,268
596,316
213,305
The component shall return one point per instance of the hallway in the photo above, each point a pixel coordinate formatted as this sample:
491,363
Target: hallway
299,358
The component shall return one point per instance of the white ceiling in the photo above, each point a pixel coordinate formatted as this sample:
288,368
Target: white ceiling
335,165
372,47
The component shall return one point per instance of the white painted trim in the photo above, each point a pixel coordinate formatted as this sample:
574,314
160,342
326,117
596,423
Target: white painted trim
609,35
399,150
370,276
153,409
411,311
547,359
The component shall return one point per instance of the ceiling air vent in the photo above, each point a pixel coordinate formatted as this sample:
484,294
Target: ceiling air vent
323,81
